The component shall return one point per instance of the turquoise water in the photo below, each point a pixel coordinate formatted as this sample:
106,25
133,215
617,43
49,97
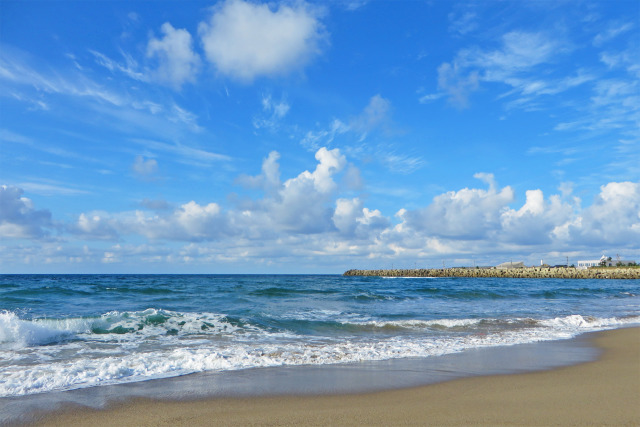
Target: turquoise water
61,332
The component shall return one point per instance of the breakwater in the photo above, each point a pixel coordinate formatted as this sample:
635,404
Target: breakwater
527,272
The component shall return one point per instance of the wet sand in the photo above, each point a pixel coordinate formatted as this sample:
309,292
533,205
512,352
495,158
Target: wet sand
603,392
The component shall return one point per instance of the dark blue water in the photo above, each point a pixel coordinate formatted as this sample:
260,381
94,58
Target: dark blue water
69,331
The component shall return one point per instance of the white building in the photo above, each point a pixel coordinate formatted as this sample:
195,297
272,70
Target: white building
604,260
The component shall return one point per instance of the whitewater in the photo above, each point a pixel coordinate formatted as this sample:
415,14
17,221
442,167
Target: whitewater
63,332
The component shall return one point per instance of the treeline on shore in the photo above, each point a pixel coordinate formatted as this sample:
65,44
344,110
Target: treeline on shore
529,272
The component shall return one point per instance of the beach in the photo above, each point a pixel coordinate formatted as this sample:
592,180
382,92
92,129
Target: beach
602,392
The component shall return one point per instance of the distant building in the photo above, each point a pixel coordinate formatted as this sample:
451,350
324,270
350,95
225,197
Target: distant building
511,264
603,261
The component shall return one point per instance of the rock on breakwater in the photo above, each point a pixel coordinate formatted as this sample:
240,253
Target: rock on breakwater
530,272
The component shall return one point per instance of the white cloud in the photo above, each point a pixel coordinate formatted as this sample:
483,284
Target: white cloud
463,22
456,85
537,221
519,54
246,40
145,168
613,31
374,115
269,179
352,219
399,163
355,133
198,221
613,218
465,214
50,188
18,217
95,225
520,51
15,67
130,68
324,137
302,204
185,153
177,62
309,216
273,111
121,110
628,59
299,205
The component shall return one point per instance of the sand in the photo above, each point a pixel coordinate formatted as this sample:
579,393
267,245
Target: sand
605,392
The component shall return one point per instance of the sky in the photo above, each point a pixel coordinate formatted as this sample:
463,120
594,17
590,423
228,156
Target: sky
315,137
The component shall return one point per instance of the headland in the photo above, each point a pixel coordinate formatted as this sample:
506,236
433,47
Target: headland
527,272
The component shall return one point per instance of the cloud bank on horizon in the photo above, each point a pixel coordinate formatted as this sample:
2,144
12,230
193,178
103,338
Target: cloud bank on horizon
314,137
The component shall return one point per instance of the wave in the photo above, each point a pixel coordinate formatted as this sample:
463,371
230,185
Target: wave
16,332
20,333
162,363
132,346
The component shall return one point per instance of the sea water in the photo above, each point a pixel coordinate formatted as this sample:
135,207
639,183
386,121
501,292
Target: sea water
63,332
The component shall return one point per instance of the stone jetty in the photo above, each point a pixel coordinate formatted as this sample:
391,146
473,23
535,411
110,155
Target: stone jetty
527,272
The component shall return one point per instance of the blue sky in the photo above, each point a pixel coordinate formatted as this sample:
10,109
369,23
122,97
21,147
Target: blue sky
295,137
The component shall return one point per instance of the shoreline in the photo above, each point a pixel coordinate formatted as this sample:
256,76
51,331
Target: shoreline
602,392
493,272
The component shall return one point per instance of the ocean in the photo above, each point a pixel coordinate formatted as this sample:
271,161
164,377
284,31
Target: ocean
64,332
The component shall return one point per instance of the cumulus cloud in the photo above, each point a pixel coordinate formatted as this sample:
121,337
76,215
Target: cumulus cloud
95,225
177,62
613,218
302,203
246,40
537,221
18,217
269,179
352,219
309,215
191,222
465,214
299,205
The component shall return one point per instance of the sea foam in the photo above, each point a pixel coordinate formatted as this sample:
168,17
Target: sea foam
127,364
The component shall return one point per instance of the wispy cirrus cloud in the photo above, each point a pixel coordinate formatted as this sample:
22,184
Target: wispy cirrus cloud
186,153
272,113
130,110
512,63
130,67
354,136
613,30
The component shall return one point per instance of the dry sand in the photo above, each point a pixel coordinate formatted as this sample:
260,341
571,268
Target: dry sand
604,392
